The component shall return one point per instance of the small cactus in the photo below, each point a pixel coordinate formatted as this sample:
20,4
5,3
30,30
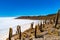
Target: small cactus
24,36
30,37
49,32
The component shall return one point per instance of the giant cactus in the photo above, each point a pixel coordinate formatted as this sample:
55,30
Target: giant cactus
40,27
35,31
57,16
19,31
10,33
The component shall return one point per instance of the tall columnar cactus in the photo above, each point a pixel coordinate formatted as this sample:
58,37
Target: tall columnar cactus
43,25
32,25
45,21
10,33
40,27
54,19
50,21
35,31
57,16
19,31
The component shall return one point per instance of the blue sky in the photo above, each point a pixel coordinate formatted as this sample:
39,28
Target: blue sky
12,8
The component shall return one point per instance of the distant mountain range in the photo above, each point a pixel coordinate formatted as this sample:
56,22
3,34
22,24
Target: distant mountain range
50,16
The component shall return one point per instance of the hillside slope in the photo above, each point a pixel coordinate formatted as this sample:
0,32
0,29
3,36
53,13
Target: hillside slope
50,16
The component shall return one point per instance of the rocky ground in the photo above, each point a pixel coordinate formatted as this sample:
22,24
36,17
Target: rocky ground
49,33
